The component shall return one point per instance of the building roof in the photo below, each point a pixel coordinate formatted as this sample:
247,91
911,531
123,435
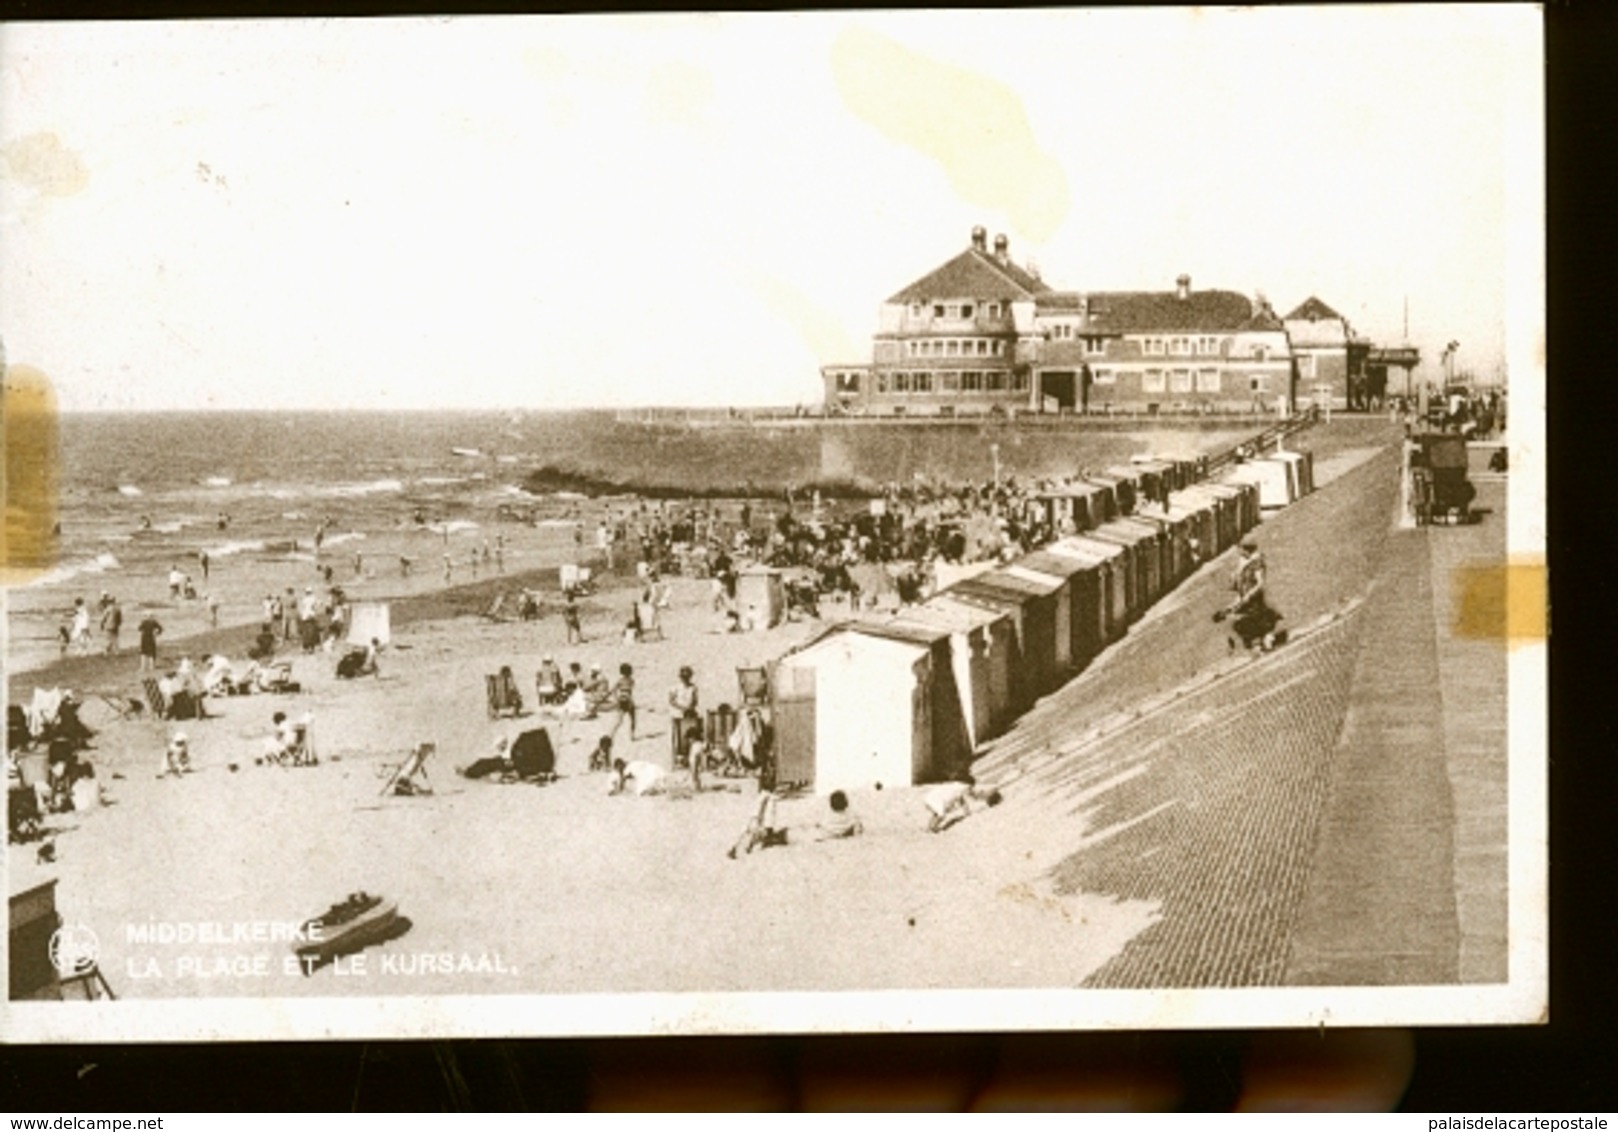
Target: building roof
973,274
1143,312
1312,310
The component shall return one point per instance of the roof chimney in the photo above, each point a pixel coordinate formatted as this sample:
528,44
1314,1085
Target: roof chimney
1002,250
979,239
1182,287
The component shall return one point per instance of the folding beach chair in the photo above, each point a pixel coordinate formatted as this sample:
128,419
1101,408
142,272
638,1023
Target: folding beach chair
302,752
410,776
125,707
155,699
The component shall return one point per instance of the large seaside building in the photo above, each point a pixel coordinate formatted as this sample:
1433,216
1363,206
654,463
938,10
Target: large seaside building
979,334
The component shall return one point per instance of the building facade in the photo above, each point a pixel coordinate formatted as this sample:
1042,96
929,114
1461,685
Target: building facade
980,334
1331,357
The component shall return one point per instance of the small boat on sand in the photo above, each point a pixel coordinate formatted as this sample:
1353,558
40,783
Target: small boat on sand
470,452
347,926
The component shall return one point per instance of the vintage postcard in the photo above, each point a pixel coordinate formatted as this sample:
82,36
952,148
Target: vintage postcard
688,524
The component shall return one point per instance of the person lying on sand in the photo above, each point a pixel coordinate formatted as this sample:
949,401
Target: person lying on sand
764,829
951,802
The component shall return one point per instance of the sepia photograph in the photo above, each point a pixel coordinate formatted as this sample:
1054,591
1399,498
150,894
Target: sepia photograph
790,523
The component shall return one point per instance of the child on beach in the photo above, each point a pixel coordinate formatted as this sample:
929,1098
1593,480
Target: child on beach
951,802
623,701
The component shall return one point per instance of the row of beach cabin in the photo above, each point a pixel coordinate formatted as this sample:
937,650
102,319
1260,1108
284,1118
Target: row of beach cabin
906,698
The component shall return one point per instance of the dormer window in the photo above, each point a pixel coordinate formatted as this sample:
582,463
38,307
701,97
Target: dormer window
966,310
938,310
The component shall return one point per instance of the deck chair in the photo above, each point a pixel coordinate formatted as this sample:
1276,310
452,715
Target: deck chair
410,776
651,620
303,745
155,699
125,707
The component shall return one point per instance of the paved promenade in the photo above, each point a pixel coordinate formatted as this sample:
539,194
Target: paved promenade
1330,814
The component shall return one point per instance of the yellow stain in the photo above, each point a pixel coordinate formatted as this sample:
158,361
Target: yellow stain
1509,603
28,475
44,164
818,327
972,125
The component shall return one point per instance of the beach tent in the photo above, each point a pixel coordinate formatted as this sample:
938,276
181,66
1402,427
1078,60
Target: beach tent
1300,470
1033,611
1273,479
1082,579
1056,585
1121,487
984,644
1107,613
948,744
1116,581
1219,503
368,619
854,711
760,597
1147,543
1081,504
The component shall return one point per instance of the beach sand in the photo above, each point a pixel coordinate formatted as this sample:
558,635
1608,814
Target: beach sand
522,888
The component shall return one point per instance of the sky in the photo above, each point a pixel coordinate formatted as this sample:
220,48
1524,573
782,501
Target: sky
565,212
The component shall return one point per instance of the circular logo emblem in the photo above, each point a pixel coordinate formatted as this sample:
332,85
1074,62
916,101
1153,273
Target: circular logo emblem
74,950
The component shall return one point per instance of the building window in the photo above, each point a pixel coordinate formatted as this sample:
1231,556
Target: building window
1258,384
999,348
1019,381
1207,381
923,382
1104,377
1180,381
1208,346
1181,347
1094,345
971,382
901,383
915,310
1152,381
994,310
881,383
1261,353
994,381
952,347
938,310
1153,346
911,349
949,382
966,310
848,383
1306,367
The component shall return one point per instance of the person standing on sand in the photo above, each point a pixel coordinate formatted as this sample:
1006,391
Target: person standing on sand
112,623
449,569
213,610
289,615
571,619
404,566
623,701
149,631
205,561
684,719
79,634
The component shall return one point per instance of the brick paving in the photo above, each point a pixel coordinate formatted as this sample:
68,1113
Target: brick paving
1328,814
